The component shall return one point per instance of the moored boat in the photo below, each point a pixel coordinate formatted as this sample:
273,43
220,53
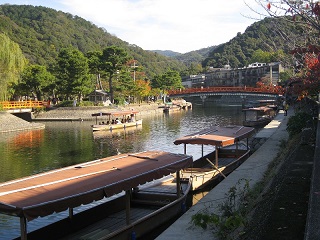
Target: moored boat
141,208
171,108
116,120
258,116
229,152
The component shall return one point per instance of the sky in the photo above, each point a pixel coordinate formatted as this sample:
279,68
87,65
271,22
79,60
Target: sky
177,25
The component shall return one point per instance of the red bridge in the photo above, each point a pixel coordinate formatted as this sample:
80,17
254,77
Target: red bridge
22,106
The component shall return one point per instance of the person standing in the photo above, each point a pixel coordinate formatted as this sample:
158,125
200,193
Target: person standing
286,107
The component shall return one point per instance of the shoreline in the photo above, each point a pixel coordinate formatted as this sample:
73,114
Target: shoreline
11,123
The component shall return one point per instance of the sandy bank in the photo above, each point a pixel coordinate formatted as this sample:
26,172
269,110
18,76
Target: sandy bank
11,123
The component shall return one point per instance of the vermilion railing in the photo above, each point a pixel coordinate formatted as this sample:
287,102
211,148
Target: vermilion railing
271,89
23,104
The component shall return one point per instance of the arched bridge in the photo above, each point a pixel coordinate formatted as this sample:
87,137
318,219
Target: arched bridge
22,106
227,94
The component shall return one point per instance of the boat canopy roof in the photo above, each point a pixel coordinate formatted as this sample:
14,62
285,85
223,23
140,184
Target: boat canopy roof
60,189
258,109
217,136
118,113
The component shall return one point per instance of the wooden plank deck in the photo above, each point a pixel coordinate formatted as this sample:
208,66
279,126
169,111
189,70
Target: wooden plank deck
109,224
118,220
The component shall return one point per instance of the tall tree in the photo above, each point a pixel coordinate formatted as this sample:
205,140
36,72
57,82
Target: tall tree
37,80
113,60
170,80
124,87
12,63
72,73
95,66
143,89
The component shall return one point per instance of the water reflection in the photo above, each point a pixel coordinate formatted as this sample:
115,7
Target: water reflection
65,143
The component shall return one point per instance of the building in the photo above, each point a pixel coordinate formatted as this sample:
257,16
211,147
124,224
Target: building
235,77
99,96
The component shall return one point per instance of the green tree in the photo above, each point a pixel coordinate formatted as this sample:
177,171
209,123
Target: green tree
95,66
37,80
72,73
124,87
260,56
170,80
113,60
143,89
12,63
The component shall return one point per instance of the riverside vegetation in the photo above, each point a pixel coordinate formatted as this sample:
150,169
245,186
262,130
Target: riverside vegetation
262,211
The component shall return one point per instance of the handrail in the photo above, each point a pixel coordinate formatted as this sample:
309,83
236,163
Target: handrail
23,104
271,89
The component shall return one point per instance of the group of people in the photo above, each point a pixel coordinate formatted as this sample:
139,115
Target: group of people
117,120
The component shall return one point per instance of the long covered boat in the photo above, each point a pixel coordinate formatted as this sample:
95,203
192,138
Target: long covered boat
258,116
142,205
228,153
116,120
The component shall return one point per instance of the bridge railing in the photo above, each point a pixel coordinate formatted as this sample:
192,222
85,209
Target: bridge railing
6,105
271,89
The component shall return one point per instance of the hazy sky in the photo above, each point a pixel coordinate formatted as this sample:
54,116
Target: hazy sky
177,25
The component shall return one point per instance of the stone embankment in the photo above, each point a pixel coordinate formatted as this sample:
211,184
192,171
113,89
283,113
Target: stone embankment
84,113
11,123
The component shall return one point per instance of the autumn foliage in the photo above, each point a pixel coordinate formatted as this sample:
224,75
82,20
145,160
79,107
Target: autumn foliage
308,80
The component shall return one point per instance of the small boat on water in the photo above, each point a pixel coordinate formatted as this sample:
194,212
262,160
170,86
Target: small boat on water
177,105
258,116
143,205
127,132
229,152
116,120
171,108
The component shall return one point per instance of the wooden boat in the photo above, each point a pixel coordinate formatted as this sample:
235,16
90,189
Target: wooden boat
258,116
116,120
227,155
171,108
131,131
141,207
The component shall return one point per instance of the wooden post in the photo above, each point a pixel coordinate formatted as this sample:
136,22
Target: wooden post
128,206
202,150
70,213
217,161
178,184
23,228
185,148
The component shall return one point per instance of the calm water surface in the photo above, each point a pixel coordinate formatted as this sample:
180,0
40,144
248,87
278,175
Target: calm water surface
64,143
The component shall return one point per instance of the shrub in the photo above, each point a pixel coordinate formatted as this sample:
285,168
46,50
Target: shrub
86,104
297,122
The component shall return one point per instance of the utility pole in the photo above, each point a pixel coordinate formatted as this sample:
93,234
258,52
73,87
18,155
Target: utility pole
134,70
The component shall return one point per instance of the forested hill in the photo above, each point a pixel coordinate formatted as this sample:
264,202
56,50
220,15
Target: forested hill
42,32
268,35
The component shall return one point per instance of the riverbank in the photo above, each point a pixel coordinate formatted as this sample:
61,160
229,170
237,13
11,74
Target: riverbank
12,123
283,209
84,113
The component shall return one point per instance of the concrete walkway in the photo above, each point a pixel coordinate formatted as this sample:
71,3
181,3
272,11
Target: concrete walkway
252,169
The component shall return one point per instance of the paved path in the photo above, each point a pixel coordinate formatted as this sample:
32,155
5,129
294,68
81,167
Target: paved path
252,169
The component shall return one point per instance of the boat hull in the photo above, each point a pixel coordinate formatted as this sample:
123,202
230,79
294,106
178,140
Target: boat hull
257,123
203,174
110,127
107,220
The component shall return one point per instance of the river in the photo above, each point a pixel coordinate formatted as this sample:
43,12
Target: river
66,143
